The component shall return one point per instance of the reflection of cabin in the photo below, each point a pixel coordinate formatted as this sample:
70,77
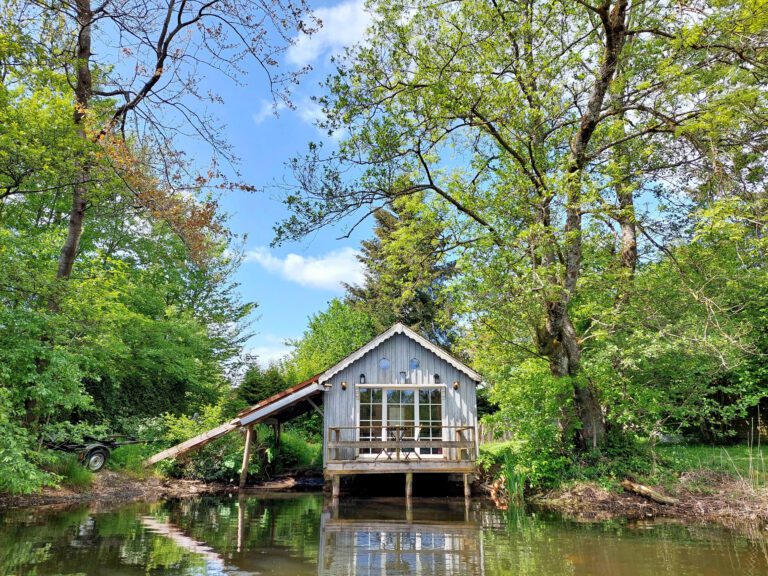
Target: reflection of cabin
399,404
428,545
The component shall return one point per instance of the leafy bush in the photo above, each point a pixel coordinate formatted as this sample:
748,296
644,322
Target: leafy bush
296,452
622,456
70,470
530,401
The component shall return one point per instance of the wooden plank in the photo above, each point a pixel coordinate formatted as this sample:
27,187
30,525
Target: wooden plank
442,528
385,444
388,467
315,406
193,443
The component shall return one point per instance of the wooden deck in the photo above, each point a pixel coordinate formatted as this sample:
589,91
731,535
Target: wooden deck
402,452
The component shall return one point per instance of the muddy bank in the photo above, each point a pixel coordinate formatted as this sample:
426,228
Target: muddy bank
111,488
702,496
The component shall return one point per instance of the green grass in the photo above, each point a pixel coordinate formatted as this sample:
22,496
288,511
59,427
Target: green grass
129,459
749,463
72,472
295,452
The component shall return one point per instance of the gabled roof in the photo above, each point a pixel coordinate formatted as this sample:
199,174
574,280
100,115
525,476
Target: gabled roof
399,328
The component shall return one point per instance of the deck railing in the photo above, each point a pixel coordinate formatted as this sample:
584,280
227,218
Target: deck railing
403,443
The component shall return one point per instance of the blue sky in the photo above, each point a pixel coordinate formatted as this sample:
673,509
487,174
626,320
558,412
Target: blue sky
293,281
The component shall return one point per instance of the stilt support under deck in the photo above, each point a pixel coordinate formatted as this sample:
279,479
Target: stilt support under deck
467,486
408,485
335,485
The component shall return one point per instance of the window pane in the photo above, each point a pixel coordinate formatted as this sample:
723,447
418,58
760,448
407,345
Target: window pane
423,396
436,396
408,413
376,395
395,414
365,395
376,412
406,396
365,413
423,412
393,396
436,411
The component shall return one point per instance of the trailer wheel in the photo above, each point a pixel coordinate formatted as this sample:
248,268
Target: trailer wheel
96,458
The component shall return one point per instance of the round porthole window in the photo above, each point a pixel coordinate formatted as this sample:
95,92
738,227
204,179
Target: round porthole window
384,364
414,364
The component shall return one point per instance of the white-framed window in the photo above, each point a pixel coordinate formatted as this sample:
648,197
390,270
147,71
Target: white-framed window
405,413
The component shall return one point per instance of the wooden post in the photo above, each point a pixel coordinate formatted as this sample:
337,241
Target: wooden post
240,521
408,485
278,430
467,487
335,485
246,455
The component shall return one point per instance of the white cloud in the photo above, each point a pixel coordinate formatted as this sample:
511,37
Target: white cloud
343,25
267,110
311,112
326,272
266,354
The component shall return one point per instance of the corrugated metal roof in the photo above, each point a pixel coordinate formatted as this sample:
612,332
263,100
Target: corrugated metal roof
280,395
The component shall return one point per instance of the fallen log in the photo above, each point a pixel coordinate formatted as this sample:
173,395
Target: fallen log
647,492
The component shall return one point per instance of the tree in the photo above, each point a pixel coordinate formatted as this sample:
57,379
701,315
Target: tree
135,73
259,384
142,327
541,124
330,336
407,272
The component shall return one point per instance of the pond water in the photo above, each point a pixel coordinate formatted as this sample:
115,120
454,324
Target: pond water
297,535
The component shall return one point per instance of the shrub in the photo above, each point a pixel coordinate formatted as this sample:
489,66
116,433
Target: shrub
70,470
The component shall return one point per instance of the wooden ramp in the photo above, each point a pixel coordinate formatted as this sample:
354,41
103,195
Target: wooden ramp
194,443
272,407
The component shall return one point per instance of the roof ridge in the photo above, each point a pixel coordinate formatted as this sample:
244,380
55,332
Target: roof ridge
398,328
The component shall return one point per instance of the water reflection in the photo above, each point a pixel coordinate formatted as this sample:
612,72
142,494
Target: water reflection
389,538
303,535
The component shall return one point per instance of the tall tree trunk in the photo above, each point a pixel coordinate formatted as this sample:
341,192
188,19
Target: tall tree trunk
83,94
626,219
558,338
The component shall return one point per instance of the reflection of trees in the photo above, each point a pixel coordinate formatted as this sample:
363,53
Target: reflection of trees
526,544
291,523
283,536
80,542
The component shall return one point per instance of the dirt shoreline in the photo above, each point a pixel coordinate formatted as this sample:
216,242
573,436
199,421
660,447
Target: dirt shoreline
714,498
111,489
708,497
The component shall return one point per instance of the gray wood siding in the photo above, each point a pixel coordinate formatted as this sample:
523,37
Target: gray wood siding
459,406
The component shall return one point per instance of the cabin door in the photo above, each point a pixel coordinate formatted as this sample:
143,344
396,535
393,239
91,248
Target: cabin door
400,413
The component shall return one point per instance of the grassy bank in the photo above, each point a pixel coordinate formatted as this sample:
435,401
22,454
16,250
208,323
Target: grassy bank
746,463
728,484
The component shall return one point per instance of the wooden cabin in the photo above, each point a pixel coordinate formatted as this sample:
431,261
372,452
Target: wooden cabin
399,404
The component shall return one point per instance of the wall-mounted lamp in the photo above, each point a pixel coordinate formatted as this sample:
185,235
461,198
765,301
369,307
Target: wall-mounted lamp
455,384
362,378
437,378
403,377
343,384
